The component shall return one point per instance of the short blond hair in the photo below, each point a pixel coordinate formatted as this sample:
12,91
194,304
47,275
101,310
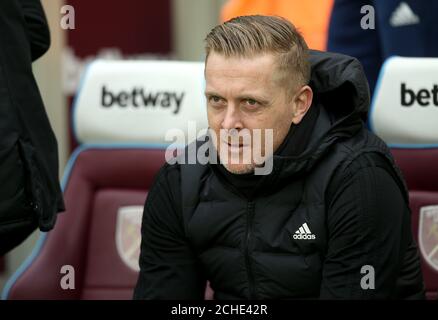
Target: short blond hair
248,36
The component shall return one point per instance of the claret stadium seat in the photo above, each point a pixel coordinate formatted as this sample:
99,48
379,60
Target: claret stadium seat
404,113
121,116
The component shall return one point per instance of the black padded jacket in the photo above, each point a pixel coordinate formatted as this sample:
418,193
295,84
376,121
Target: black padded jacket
331,221
30,194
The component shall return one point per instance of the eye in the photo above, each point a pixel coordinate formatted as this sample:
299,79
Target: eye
216,102
251,103
214,99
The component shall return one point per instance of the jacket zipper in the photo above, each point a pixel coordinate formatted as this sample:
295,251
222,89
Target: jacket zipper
249,222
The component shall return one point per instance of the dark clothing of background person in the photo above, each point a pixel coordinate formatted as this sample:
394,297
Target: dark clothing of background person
402,27
240,232
30,194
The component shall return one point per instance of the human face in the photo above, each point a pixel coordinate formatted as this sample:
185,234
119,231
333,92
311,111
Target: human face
243,94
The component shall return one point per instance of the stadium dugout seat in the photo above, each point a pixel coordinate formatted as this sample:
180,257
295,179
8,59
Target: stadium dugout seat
404,113
121,116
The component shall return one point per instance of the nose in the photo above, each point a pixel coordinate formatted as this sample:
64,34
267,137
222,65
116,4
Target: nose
232,118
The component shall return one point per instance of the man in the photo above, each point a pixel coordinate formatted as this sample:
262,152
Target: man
331,219
30,194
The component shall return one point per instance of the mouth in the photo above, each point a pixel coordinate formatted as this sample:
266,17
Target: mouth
234,147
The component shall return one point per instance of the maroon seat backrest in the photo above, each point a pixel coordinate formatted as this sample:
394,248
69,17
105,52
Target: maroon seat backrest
107,186
410,128
420,170
100,182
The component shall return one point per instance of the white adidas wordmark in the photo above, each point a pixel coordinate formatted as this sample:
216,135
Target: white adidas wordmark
304,233
403,16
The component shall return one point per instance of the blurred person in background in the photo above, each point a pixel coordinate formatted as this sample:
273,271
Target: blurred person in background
311,18
30,194
401,27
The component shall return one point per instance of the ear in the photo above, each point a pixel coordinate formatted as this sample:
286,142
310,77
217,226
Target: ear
302,102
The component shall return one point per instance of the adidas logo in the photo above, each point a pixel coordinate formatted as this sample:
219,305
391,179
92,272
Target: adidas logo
304,233
403,16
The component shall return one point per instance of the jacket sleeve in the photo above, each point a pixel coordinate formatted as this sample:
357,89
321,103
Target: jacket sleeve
36,27
168,266
368,223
